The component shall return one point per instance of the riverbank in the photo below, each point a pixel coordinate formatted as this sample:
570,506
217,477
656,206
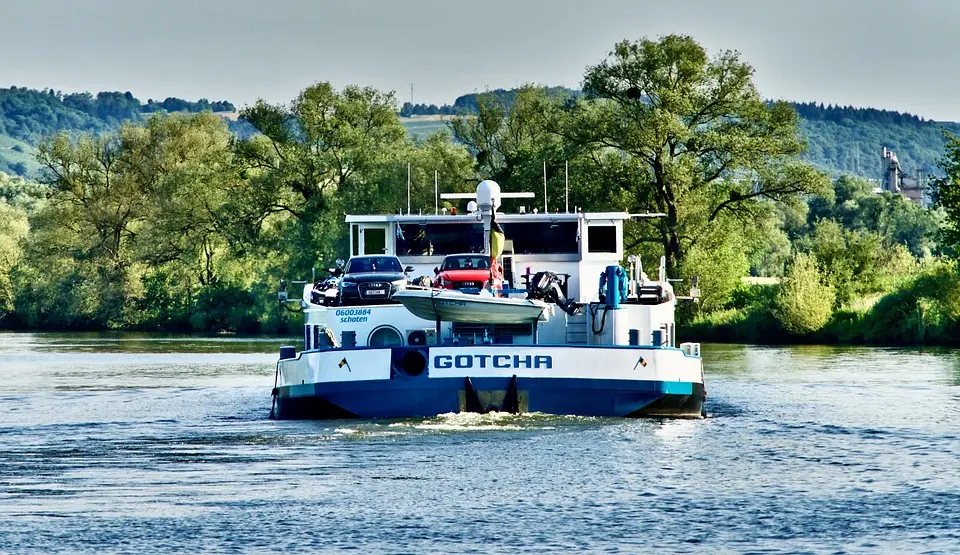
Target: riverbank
924,310
921,308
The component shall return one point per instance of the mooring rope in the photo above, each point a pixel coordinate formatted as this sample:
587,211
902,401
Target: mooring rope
593,309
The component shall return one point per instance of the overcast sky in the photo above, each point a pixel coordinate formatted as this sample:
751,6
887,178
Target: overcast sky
881,53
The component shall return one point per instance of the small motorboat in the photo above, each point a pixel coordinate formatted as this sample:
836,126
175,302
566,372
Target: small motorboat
454,306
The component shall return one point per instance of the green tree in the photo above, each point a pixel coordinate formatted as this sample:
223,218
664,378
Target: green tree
855,206
804,302
13,230
132,216
947,192
22,193
185,165
19,198
695,138
455,172
95,199
512,142
720,272
309,163
518,134
856,262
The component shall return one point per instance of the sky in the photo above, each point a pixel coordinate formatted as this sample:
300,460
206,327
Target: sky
873,53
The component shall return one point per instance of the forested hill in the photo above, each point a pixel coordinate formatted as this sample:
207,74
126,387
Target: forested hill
841,139
28,115
849,140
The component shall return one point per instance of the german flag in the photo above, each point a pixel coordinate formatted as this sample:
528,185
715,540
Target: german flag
497,239
343,363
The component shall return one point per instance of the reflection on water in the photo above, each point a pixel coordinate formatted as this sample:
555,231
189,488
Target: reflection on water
123,342
152,443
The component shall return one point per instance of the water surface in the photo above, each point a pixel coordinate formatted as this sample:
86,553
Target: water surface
143,444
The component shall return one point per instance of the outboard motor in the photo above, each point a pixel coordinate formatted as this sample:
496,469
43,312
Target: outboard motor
325,291
546,286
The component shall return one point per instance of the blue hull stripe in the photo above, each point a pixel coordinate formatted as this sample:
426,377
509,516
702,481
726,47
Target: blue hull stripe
638,348
399,398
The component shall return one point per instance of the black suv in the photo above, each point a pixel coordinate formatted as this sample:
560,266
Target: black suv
371,280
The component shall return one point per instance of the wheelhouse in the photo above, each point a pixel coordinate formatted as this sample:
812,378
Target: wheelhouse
577,245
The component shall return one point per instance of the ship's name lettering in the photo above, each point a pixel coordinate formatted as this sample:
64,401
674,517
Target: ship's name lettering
492,361
352,315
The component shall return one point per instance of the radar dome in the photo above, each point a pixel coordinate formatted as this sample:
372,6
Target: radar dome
488,195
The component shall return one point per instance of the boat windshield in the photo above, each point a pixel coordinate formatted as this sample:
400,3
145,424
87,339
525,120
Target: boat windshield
466,262
369,264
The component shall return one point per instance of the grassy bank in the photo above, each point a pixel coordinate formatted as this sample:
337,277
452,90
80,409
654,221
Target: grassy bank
925,309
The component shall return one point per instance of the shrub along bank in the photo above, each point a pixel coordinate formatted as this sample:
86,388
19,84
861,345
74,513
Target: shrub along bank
924,309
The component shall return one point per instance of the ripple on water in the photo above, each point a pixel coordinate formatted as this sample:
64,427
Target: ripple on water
806,450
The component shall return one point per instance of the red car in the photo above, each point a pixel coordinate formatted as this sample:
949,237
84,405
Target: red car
463,271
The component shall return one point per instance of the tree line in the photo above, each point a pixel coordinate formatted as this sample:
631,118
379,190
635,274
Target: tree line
840,139
30,115
175,223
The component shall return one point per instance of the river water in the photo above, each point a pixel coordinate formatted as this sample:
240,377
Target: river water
156,444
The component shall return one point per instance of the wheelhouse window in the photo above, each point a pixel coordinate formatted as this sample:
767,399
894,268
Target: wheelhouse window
543,237
439,239
602,238
374,240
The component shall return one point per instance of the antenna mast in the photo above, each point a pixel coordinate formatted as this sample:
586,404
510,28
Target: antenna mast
545,187
408,188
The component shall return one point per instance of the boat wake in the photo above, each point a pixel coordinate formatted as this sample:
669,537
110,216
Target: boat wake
468,421
464,422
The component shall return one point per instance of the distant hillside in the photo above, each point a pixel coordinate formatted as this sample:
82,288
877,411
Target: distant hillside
422,126
29,115
849,140
17,157
840,139
468,102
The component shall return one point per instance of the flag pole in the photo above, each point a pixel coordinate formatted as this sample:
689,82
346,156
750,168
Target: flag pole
545,211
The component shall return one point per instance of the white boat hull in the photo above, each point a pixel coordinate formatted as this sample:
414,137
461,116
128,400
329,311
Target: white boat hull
422,381
453,306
